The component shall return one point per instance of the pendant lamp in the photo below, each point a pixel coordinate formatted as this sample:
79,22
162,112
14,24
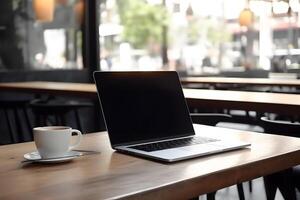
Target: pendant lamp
44,10
246,17
79,11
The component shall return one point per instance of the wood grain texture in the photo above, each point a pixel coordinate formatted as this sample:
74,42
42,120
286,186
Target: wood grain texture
241,81
256,101
112,175
53,88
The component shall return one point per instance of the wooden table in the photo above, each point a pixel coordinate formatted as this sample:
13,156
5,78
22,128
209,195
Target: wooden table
51,88
256,101
241,81
112,175
241,100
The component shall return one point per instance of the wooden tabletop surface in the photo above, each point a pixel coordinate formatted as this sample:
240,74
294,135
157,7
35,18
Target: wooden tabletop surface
253,101
256,101
54,88
241,81
111,175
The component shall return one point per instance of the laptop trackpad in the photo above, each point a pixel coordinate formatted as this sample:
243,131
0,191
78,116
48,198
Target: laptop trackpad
202,149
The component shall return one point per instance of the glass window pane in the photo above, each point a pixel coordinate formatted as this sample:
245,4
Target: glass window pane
131,34
41,34
199,36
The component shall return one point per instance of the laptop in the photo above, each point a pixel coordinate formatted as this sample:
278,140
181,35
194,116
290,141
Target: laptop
146,115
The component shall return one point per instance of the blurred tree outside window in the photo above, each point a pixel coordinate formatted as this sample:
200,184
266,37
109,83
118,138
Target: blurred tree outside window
202,36
143,23
139,42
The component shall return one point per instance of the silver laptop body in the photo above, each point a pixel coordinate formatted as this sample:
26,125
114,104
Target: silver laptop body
146,115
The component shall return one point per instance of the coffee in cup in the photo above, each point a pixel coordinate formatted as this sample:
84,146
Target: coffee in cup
55,141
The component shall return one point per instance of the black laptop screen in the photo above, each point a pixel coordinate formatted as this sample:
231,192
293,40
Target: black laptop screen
142,106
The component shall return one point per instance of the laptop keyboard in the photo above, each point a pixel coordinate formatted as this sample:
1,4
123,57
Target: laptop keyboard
173,144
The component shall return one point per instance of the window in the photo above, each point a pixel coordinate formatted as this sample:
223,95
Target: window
131,34
199,36
40,34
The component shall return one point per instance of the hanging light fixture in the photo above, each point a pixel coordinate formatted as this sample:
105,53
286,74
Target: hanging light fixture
44,10
246,17
79,11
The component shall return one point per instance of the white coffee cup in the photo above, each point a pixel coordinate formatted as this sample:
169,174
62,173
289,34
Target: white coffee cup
55,141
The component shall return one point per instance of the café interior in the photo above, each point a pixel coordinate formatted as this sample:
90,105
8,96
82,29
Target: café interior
239,67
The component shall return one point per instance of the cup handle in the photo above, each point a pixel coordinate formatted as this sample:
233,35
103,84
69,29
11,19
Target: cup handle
79,134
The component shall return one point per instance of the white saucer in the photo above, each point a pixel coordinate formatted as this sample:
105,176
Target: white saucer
35,157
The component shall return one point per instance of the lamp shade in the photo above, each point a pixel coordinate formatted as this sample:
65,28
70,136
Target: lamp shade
79,11
246,17
44,10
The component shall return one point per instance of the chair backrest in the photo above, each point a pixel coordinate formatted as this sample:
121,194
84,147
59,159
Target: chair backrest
210,119
281,127
16,121
11,104
56,106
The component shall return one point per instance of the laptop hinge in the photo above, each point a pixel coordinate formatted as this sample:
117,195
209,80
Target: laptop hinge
153,140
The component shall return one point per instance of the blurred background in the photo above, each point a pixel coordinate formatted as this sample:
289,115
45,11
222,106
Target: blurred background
67,40
195,37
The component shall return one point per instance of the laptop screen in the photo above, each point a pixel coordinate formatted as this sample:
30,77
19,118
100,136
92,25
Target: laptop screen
142,106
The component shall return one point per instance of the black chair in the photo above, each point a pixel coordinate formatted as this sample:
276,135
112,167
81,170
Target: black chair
213,119
287,180
17,120
281,127
53,111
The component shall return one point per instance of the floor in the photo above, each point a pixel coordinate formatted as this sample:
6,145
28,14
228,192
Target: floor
258,192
